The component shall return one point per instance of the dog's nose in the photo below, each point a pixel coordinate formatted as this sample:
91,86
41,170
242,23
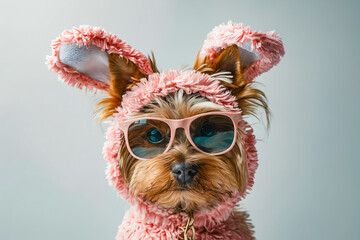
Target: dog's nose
184,172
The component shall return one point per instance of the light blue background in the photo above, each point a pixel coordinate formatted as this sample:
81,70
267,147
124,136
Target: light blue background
52,182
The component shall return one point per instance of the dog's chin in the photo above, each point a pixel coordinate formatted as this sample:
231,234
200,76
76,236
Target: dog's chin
183,198
187,199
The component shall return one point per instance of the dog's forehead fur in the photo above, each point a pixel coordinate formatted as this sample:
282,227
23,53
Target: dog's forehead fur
178,105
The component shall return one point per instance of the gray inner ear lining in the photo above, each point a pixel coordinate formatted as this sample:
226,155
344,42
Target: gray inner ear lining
90,61
247,55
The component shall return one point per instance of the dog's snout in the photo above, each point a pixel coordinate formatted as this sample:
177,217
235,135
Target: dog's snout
184,172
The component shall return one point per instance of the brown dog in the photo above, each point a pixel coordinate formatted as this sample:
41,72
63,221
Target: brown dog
178,147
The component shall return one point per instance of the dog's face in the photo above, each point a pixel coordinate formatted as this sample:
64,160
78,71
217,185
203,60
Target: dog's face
183,178
211,178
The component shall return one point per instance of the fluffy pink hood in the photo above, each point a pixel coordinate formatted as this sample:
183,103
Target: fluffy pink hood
145,220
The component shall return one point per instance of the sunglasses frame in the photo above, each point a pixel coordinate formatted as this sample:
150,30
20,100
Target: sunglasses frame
184,123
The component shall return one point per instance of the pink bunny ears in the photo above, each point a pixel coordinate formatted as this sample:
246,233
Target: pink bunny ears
260,51
80,55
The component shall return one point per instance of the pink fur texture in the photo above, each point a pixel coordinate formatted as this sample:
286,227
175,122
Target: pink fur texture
268,45
146,220
86,36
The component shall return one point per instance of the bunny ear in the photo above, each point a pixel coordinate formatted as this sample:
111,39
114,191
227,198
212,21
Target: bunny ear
259,52
80,57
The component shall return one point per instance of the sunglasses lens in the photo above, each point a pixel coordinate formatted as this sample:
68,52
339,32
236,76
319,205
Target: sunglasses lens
148,138
213,133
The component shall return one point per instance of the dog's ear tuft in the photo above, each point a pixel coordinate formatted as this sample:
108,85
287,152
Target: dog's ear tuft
92,58
228,61
123,75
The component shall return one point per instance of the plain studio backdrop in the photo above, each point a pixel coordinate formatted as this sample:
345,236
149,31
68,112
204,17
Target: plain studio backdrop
52,181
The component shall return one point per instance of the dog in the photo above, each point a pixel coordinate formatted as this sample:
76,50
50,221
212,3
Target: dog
178,147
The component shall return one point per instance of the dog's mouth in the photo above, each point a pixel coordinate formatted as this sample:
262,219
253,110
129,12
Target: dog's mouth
183,188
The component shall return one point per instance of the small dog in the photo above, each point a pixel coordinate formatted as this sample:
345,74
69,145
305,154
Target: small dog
178,147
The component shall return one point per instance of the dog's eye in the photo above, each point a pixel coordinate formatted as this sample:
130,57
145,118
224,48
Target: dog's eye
207,129
154,135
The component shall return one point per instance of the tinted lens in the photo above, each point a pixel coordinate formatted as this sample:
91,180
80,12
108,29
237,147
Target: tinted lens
212,133
148,138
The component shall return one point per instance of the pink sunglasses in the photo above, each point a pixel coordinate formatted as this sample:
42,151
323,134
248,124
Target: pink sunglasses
212,133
